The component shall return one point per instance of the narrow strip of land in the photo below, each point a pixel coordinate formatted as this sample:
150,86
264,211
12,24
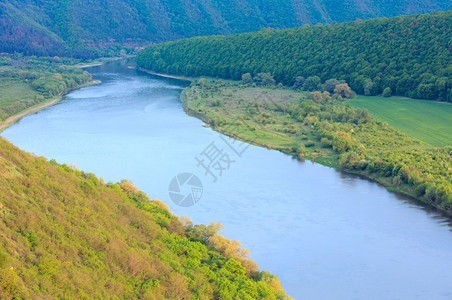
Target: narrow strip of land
11,120
14,118
166,75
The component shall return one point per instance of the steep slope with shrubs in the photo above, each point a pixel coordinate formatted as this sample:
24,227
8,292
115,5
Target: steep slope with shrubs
65,234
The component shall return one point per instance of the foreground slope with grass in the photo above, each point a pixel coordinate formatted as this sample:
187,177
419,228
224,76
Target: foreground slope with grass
65,234
428,121
326,129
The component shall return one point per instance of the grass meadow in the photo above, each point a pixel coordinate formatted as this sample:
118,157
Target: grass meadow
428,121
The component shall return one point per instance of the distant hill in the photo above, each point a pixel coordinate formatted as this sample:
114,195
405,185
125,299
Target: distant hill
410,55
72,27
65,234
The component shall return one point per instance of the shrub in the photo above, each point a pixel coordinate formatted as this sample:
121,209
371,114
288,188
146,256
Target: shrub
310,143
387,92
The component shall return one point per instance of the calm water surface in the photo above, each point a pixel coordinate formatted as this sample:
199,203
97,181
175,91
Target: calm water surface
325,234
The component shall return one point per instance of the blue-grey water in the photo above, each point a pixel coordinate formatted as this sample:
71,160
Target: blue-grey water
325,234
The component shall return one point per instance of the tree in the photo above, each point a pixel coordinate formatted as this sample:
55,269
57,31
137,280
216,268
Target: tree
316,96
342,142
302,152
326,95
186,221
349,160
387,92
416,71
298,83
330,85
247,78
264,79
427,91
343,90
368,87
312,83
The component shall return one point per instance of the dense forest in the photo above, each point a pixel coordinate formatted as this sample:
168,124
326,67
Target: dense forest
68,235
407,56
96,28
27,81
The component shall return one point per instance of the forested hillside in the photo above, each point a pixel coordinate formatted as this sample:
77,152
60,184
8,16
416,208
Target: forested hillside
408,56
75,27
65,234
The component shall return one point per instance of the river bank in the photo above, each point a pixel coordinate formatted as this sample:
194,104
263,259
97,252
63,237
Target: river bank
14,118
327,158
166,75
133,126
102,61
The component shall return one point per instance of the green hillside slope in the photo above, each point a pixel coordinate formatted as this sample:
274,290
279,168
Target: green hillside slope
70,26
67,235
411,55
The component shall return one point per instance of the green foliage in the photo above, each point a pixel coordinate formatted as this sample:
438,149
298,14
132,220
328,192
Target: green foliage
27,81
66,234
428,121
247,78
312,83
387,92
331,131
264,79
411,55
299,82
80,28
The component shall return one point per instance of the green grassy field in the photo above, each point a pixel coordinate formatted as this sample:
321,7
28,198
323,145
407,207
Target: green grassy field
238,105
428,121
15,96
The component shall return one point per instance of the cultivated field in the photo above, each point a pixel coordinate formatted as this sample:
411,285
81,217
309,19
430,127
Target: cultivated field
428,121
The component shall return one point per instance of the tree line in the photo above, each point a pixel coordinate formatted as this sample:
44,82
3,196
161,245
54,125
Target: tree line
407,56
82,28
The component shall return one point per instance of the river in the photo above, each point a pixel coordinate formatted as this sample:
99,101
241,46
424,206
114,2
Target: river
325,234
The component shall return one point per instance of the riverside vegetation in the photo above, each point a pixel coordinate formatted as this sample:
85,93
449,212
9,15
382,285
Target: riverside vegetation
27,81
323,127
408,56
67,234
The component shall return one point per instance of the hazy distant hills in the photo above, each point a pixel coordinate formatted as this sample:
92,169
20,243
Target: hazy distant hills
50,27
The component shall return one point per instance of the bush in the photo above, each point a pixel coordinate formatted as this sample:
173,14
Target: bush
326,143
309,143
387,92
